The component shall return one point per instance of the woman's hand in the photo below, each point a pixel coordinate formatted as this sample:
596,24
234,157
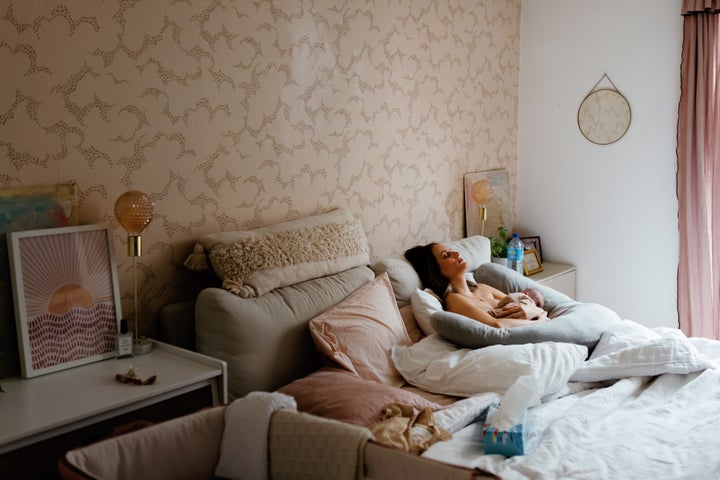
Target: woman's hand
513,311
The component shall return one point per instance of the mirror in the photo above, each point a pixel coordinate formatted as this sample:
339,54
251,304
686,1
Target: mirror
604,116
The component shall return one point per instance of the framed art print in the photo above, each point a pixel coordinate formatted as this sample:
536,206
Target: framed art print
498,210
26,208
532,262
533,243
66,295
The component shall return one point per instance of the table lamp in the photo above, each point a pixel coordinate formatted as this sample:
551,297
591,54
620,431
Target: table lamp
134,211
482,192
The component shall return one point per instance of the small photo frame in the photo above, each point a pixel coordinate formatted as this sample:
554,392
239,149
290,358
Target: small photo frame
67,300
533,243
532,262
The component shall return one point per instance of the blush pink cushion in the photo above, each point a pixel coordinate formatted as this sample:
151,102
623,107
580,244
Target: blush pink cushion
358,333
411,325
341,395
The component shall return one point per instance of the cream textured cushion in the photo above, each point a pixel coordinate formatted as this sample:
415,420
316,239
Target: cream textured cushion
358,333
253,262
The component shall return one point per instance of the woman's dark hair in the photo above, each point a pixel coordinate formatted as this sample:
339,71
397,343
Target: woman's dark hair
427,268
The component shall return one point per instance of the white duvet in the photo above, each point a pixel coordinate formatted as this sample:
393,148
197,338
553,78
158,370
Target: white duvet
644,405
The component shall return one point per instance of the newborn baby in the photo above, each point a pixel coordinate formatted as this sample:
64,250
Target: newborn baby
526,305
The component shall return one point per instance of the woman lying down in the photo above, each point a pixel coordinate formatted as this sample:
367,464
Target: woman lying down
443,270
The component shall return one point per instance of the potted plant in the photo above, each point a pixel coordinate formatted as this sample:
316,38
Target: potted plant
499,246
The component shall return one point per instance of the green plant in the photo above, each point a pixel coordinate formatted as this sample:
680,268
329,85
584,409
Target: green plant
499,244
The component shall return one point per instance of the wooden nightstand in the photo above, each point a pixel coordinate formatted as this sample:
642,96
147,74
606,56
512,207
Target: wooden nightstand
559,276
43,417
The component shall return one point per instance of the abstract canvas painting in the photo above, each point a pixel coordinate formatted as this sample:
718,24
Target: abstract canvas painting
67,302
26,208
498,210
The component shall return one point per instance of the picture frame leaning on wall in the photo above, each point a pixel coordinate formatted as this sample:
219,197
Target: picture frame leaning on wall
533,243
532,263
66,296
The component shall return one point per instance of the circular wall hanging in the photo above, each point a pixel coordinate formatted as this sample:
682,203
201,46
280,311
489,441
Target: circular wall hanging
604,115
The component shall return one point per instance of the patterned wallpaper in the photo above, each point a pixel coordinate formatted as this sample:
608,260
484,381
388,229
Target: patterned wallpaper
236,114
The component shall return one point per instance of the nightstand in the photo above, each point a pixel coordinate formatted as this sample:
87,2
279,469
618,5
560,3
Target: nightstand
559,276
42,417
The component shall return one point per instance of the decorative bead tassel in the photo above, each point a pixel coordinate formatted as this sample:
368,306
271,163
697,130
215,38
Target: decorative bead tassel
197,260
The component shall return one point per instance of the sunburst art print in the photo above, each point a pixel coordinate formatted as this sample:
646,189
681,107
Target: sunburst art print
67,303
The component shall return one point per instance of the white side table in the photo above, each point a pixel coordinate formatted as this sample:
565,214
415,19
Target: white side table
35,409
559,276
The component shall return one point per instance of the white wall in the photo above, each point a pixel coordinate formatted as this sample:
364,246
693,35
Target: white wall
611,210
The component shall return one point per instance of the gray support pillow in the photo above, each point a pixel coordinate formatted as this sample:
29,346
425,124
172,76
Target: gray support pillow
572,321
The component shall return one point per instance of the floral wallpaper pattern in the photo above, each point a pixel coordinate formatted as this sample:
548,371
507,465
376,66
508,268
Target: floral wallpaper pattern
237,114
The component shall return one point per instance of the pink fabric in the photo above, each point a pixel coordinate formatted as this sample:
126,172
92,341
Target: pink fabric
342,395
358,333
411,325
690,7
698,178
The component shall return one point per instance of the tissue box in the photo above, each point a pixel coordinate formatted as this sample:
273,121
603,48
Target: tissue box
505,442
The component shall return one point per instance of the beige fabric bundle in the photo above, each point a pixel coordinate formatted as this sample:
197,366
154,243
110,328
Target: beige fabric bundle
408,429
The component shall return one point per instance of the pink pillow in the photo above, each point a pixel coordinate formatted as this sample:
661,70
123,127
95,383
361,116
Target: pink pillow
411,325
340,395
359,332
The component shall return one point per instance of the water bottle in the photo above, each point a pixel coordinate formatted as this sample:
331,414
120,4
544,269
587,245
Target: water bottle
516,254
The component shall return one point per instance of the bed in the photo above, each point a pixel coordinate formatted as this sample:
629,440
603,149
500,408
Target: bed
346,336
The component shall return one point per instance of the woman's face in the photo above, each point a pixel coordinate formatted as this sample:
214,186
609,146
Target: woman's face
450,262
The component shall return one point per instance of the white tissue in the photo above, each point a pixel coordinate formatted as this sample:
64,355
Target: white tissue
521,394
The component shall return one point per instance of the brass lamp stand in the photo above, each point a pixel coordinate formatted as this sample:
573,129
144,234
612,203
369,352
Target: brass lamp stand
134,211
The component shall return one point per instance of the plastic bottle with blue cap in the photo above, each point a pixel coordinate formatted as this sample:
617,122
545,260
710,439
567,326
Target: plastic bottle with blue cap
516,254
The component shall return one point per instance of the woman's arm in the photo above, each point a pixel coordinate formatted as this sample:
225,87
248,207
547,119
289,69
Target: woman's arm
472,308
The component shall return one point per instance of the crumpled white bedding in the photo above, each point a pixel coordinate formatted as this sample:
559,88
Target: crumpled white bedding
630,349
646,404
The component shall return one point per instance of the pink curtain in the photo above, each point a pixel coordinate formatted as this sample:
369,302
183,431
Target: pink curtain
698,176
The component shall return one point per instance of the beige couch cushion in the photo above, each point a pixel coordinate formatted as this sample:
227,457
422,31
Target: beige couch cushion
265,340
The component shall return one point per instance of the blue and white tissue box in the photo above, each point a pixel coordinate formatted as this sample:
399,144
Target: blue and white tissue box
506,441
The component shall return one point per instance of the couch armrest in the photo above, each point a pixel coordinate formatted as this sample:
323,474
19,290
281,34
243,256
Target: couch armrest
177,324
184,447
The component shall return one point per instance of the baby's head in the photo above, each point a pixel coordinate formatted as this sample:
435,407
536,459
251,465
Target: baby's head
536,296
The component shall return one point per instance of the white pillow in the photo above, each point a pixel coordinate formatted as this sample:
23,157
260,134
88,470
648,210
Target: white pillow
630,349
438,366
424,303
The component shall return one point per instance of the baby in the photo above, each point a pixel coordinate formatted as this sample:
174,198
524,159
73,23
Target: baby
525,305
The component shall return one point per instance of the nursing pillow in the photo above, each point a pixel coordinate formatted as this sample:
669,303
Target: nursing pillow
571,321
